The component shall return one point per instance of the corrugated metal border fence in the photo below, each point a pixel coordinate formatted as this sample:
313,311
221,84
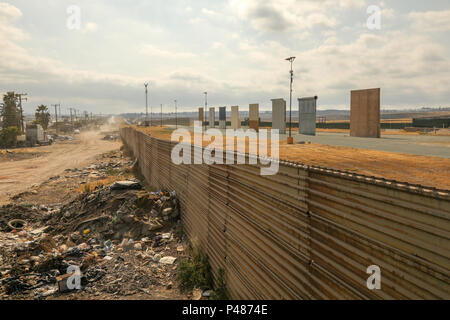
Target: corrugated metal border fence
307,232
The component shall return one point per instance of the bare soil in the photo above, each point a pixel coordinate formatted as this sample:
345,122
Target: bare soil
28,170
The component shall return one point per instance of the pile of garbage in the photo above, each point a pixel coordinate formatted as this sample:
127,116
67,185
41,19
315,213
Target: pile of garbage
99,170
60,137
120,238
111,137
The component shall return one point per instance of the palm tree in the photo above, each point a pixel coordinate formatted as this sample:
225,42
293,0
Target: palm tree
42,116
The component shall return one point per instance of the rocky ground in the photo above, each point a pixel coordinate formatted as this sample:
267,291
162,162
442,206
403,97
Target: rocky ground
125,240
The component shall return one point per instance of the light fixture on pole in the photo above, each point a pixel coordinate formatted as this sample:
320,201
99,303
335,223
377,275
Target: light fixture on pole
290,139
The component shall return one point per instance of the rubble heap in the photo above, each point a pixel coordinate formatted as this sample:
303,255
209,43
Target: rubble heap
121,237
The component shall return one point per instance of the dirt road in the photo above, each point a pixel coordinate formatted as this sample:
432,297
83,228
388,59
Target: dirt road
18,176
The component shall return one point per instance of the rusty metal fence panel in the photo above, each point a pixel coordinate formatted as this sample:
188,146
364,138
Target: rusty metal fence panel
307,232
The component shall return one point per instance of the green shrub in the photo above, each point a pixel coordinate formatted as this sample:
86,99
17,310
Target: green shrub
8,137
221,292
195,272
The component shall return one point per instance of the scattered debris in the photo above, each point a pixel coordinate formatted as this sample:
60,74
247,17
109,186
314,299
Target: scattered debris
167,260
120,236
124,185
111,137
17,224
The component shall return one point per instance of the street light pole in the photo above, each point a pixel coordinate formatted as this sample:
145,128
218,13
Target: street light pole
146,104
291,60
206,107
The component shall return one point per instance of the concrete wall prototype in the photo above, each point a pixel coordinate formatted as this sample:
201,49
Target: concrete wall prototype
212,117
307,232
307,108
222,117
235,122
200,115
279,115
254,116
365,113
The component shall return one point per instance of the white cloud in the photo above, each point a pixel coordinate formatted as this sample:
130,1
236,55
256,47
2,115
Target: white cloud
431,20
240,65
9,12
8,33
208,12
281,15
217,45
195,20
148,49
90,27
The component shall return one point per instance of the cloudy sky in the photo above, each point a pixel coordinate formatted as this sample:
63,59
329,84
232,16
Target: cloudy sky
234,49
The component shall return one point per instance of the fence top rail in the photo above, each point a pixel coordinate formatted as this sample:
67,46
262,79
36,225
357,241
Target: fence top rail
374,180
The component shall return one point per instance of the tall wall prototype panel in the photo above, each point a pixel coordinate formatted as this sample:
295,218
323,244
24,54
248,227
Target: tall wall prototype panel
365,113
200,115
279,115
212,117
307,108
254,116
222,117
235,122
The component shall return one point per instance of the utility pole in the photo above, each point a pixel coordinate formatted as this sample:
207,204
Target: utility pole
291,60
176,117
56,115
21,109
161,115
206,107
146,104
71,118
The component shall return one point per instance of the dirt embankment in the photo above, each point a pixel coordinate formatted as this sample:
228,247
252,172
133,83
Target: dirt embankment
415,169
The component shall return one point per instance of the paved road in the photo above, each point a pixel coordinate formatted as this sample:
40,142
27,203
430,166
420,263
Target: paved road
438,146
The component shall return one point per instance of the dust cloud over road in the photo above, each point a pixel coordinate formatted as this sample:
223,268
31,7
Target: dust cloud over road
18,176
